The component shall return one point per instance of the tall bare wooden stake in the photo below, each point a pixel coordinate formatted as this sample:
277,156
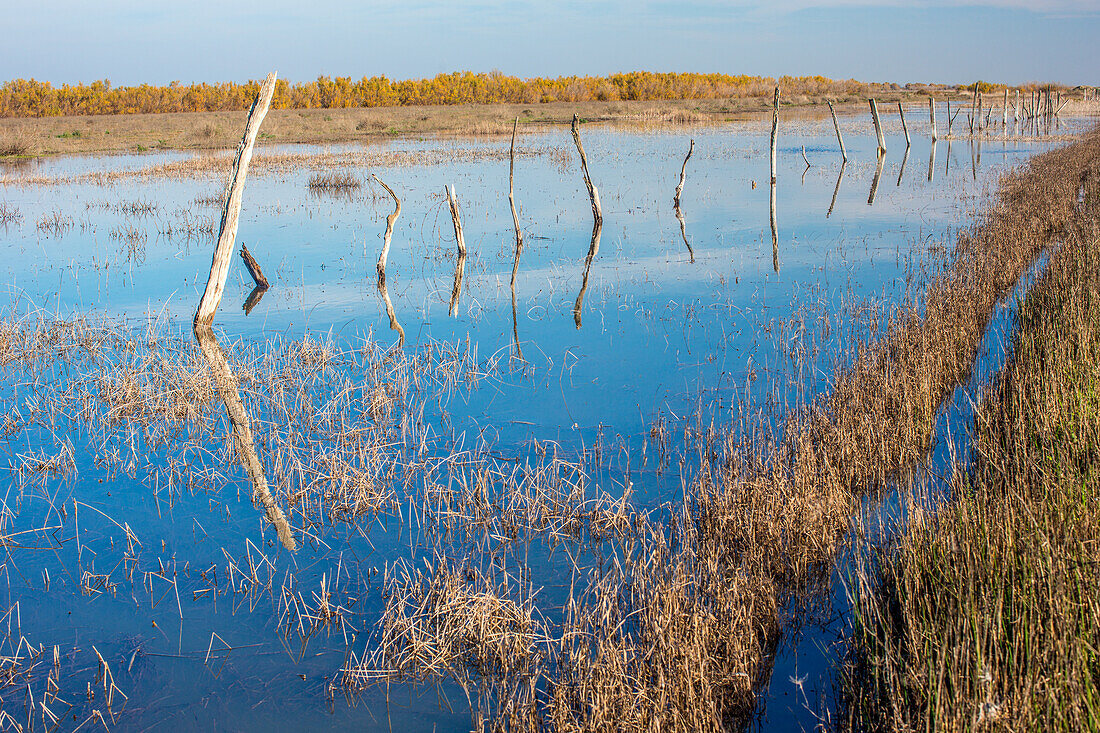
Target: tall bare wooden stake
904,127
878,127
452,202
512,187
839,139
388,236
231,210
593,193
932,117
775,131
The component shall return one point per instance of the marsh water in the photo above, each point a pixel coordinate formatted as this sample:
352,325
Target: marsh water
614,354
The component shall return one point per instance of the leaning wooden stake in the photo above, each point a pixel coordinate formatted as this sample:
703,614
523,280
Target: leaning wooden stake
878,127
904,127
519,237
512,188
683,174
254,268
775,131
839,139
593,193
231,210
452,202
388,236
932,117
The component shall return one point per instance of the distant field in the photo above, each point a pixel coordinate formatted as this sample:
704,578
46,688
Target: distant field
218,130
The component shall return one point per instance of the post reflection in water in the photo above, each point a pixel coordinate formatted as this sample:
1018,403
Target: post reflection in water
456,289
394,325
683,231
874,182
947,165
515,269
775,230
253,298
904,160
932,162
593,249
228,388
836,189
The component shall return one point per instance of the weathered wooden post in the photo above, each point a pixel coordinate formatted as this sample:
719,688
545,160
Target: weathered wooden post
593,193
904,127
932,117
775,132
254,268
683,175
878,128
839,139
1004,111
1016,109
456,220
231,209
512,186
676,202
388,236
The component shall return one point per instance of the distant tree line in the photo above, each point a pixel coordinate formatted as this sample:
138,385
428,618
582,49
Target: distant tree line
31,98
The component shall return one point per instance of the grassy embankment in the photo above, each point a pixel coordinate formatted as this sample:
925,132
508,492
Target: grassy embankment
985,612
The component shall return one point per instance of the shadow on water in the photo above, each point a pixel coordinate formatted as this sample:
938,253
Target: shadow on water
229,389
593,249
932,162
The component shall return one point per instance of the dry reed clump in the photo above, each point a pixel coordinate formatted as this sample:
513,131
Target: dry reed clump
982,614
9,214
451,621
773,514
335,181
55,224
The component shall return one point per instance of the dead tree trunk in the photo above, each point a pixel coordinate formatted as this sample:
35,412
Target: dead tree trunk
254,268
231,210
388,236
683,175
511,189
839,139
593,193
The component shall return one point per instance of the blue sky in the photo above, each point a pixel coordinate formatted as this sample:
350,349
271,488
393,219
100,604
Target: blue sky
134,41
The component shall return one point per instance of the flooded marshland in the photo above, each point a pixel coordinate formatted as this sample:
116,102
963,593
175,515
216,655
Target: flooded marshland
347,500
